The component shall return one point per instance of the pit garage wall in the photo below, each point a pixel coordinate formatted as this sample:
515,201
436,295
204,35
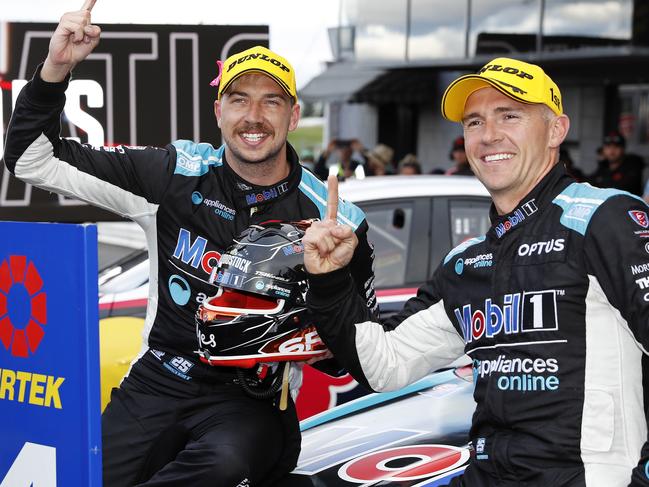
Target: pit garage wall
351,121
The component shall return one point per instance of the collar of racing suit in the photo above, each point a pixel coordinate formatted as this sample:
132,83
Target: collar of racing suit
246,194
553,183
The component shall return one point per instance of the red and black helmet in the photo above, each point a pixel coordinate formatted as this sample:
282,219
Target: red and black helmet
258,314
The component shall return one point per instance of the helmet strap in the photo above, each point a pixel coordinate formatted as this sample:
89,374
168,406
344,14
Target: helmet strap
264,392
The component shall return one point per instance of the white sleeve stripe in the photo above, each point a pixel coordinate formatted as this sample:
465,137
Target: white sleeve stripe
151,232
38,166
422,343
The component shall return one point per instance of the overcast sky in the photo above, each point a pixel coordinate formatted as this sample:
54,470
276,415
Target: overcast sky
298,29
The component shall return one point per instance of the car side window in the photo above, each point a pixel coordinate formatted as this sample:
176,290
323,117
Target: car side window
390,232
468,219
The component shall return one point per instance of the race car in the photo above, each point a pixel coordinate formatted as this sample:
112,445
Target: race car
415,436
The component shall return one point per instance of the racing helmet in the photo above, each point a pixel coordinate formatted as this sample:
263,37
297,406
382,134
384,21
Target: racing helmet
258,314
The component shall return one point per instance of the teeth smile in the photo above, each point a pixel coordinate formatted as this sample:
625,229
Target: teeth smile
497,157
253,137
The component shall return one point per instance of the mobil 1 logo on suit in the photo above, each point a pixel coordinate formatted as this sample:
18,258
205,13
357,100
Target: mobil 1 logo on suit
540,311
512,314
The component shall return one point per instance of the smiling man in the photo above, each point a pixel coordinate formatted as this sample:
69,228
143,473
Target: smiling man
256,108
176,420
552,304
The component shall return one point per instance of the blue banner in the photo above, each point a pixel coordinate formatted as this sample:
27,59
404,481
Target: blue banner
49,356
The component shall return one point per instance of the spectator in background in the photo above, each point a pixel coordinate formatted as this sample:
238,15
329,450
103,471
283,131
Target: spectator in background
409,166
460,162
618,169
337,159
379,160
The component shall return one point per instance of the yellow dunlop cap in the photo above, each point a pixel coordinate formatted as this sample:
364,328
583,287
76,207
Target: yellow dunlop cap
520,81
258,59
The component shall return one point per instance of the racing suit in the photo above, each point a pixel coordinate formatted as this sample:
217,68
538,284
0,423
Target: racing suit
190,204
552,307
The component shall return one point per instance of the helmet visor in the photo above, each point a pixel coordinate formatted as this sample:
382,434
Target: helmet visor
231,302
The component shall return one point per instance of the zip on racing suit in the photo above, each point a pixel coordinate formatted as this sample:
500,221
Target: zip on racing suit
190,204
552,305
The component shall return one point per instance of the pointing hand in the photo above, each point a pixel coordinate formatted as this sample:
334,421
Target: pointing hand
327,245
73,40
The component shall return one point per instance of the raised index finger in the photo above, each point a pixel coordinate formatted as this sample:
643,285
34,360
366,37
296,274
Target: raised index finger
332,198
88,4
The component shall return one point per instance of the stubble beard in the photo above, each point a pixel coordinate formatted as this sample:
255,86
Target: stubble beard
261,166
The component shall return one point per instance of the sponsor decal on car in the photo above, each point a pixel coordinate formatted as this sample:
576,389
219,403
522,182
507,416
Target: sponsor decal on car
375,457
405,463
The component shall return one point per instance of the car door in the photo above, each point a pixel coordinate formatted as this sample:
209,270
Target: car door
411,236
399,230
456,219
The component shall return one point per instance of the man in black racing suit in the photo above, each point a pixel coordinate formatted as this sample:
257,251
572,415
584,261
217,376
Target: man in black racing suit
173,417
552,304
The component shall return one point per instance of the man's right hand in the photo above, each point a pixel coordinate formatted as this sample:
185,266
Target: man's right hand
74,38
327,245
